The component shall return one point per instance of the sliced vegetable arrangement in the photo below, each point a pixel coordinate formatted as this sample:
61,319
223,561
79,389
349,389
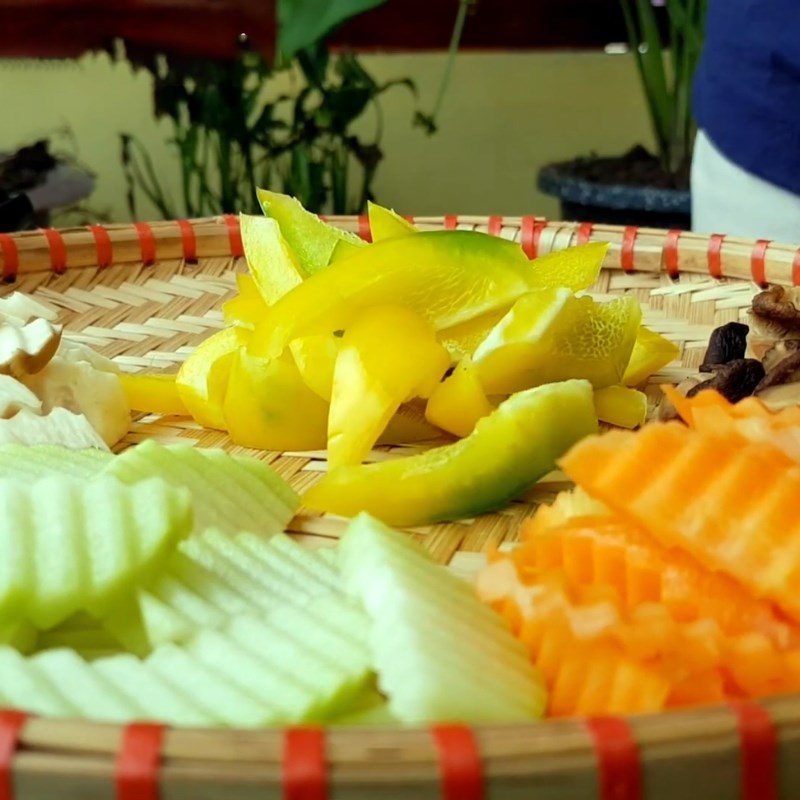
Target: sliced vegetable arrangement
668,578
124,597
331,341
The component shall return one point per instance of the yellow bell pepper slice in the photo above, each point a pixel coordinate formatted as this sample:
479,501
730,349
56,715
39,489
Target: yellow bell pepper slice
248,308
269,407
446,276
504,456
386,224
551,335
409,426
275,268
155,394
315,357
462,340
651,352
388,355
312,240
575,268
620,406
202,379
458,402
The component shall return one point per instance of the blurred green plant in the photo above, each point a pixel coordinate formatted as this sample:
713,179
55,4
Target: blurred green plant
667,81
233,131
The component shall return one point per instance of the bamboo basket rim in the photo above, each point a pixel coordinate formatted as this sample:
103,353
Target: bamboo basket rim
757,741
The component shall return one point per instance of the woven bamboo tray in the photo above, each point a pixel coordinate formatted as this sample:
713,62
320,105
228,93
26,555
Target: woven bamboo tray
145,295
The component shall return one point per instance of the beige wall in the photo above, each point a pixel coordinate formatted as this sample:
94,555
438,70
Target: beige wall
504,116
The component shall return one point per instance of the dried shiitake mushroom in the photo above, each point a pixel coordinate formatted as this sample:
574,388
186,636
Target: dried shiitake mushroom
727,343
778,352
776,311
734,381
785,371
776,398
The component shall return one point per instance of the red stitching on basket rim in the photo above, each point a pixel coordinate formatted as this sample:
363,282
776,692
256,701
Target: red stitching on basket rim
234,235
138,761
758,262
409,218
8,247
102,245
626,256
671,260
459,762
188,239
58,250
758,743
715,255
450,222
618,764
364,228
530,233
584,232
495,224
305,773
796,269
147,242
11,724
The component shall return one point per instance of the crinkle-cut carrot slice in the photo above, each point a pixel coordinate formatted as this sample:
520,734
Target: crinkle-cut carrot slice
566,507
622,555
732,505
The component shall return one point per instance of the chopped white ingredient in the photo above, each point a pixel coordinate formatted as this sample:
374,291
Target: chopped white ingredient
58,427
14,396
26,350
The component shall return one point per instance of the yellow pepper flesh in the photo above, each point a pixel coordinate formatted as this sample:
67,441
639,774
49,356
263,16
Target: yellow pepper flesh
620,406
315,356
386,224
269,407
248,308
459,401
651,352
155,394
202,379
388,355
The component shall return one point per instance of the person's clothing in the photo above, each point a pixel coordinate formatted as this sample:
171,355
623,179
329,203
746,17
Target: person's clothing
728,199
747,86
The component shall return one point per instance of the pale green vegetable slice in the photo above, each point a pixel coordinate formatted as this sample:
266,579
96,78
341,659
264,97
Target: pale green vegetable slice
26,688
38,461
232,493
440,654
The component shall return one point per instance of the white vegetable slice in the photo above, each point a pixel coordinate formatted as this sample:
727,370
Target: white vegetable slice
231,493
59,427
26,350
14,396
440,654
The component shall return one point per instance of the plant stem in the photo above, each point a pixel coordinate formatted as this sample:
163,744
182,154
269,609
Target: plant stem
452,51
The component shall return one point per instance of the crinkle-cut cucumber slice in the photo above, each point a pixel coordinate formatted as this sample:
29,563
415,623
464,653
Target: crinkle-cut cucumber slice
69,546
26,463
214,576
158,698
438,655
231,493
19,634
96,697
224,702
25,687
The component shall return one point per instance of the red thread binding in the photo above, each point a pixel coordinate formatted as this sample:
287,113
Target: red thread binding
495,224
758,262
671,253
796,269
408,218
58,250
758,743
188,240
530,234
8,248
305,774
584,232
626,257
103,246
11,723
364,229
459,762
715,255
147,242
620,772
450,222
138,760
234,235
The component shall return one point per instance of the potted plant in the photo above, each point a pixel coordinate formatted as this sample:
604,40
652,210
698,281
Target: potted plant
665,37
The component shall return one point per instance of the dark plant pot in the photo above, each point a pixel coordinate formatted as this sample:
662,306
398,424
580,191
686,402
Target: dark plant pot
616,203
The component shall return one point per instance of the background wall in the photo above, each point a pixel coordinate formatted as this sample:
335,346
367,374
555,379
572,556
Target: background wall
505,115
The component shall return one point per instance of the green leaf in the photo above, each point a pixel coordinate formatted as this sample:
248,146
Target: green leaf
301,23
